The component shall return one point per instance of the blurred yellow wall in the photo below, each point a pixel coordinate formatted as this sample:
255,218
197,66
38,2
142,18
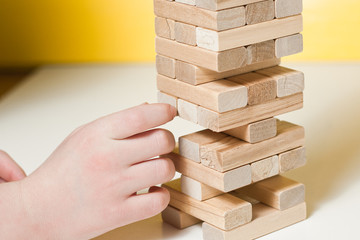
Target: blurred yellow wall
57,31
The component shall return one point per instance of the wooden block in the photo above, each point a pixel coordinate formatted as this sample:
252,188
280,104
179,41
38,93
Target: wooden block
229,153
187,110
292,159
190,2
185,33
220,95
220,122
260,12
278,192
166,98
165,66
260,88
165,28
178,218
265,220
285,8
289,45
189,145
265,168
198,190
243,36
289,81
225,211
260,52
220,20
226,182
216,5
255,132
216,61
196,75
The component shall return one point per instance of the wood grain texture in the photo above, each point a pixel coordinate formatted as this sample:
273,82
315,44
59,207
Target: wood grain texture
243,36
220,95
220,122
216,5
165,66
286,8
220,20
166,98
187,110
260,52
177,218
255,132
288,45
229,153
225,211
215,61
260,12
185,33
278,192
292,159
265,168
165,28
198,190
190,2
265,220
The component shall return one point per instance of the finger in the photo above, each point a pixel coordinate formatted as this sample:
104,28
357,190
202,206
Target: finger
135,120
9,169
150,173
2,180
146,145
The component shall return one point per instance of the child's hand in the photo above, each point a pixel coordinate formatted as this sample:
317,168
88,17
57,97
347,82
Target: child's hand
88,185
9,170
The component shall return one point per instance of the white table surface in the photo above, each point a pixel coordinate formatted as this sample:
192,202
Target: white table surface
37,115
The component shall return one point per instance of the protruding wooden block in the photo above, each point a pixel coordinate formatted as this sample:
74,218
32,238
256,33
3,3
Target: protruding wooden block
265,168
260,52
165,28
289,45
278,192
190,2
198,190
220,20
285,8
292,159
178,218
255,132
260,12
185,33
226,182
189,145
166,98
225,211
187,110
220,122
265,220
165,66
216,5
220,95
229,153
260,88
243,36
216,61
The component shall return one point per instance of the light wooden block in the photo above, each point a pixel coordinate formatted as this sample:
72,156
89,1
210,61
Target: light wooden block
220,20
187,110
265,220
289,81
198,190
226,182
216,5
292,159
229,153
285,8
265,168
220,122
166,98
243,36
225,211
255,132
260,88
189,145
190,2
195,75
216,61
165,28
178,218
220,95
260,12
165,66
278,192
289,45
185,33
260,52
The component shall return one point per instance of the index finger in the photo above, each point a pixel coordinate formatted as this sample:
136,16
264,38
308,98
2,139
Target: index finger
135,120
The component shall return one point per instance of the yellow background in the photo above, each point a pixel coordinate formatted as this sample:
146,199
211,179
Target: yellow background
57,31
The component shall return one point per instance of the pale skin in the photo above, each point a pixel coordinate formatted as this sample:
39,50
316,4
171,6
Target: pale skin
88,185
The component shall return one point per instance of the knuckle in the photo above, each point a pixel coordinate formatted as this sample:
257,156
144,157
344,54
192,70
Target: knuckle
165,140
136,119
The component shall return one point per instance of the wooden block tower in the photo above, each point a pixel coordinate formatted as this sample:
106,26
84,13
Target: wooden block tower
218,64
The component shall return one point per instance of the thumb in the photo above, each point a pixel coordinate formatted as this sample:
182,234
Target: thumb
9,169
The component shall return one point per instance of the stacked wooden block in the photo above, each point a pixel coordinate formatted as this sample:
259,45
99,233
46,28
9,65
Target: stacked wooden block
218,64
